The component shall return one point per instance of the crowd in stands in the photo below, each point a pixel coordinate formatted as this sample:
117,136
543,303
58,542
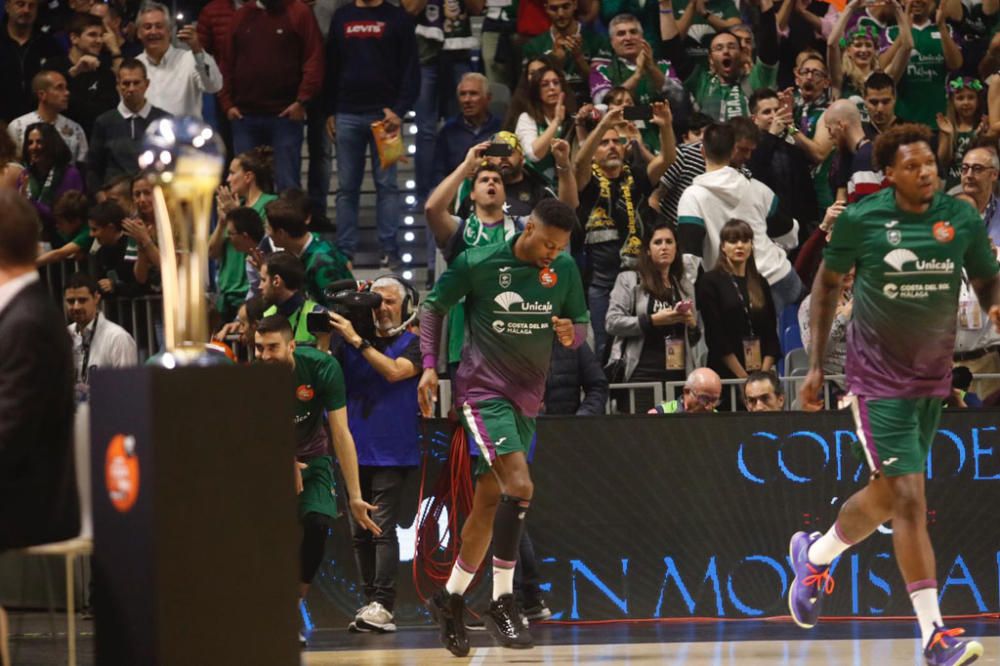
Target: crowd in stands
707,146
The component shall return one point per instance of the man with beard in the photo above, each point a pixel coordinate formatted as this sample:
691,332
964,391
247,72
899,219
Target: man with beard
611,193
880,103
722,91
97,342
897,379
934,53
523,188
856,176
381,379
265,96
488,223
319,383
570,45
282,278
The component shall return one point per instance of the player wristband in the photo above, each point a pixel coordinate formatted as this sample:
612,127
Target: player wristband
666,11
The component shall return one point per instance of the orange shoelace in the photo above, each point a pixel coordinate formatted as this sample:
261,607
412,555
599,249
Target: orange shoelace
819,579
940,636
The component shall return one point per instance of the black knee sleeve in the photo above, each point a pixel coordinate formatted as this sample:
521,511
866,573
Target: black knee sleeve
508,523
314,529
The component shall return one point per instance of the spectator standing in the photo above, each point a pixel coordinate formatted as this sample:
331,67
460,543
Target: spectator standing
444,42
97,342
282,282
836,346
214,23
611,192
373,75
723,193
265,96
572,372
549,106
958,127
762,392
49,169
116,140
25,50
722,90
852,55
523,187
177,77
880,105
89,70
53,98
249,184
381,380
245,232
324,264
570,46
38,496
856,176
473,125
652,315
933,54
737,308
701,394
632,65
780,164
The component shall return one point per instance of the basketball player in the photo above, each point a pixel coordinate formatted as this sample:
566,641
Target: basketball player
518,293
909,244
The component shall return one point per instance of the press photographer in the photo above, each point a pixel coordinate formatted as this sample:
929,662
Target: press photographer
381,362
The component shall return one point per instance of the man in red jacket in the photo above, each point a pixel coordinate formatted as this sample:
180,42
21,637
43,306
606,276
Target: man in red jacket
273,68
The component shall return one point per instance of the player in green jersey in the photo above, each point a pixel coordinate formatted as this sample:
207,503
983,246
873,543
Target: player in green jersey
518,294
909,244
319,392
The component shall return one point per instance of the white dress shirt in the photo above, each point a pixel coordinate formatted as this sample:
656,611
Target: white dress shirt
177,82
110,346
71,133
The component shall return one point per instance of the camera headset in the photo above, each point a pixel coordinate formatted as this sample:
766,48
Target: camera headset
359,294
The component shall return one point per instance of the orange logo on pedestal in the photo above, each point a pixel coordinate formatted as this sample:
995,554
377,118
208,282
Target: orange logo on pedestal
121,472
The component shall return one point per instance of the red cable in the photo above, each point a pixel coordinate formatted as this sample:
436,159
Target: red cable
432,560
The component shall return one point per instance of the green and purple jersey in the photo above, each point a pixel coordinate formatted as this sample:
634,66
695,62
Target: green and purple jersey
509,305
909,274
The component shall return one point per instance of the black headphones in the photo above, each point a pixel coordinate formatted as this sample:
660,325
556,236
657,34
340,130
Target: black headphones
411,301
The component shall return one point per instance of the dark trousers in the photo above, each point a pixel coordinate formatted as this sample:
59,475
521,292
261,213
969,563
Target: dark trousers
526,587
378,556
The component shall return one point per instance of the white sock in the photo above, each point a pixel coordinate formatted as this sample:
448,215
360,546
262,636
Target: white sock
828,547
925,603
460,578
503,578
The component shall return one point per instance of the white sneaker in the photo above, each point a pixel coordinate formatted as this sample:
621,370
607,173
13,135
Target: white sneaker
375,617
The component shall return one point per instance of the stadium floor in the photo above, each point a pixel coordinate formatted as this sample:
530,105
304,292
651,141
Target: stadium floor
690,643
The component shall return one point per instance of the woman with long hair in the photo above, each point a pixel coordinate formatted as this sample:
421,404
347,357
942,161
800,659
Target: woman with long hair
852,55
652,314
250,183
737,309
960,124
548,117
49,170
519,99
10,168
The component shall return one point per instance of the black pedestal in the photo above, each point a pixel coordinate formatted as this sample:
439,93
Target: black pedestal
195,528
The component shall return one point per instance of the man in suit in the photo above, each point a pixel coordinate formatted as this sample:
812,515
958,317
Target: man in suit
38,500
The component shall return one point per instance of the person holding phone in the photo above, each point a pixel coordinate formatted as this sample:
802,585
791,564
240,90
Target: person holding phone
652,315
737,308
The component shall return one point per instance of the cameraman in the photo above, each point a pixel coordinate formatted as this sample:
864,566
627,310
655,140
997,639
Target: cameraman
381,375
282,278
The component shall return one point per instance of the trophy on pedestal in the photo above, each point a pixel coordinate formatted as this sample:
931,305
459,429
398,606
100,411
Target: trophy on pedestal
184,160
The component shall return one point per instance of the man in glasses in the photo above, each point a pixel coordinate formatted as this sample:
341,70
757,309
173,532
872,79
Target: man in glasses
979,171
762,392
702,392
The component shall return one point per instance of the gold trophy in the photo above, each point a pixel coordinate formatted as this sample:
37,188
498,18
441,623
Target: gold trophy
184,160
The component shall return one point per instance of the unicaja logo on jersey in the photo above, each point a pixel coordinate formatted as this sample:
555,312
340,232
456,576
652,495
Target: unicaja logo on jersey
512,302
898,259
